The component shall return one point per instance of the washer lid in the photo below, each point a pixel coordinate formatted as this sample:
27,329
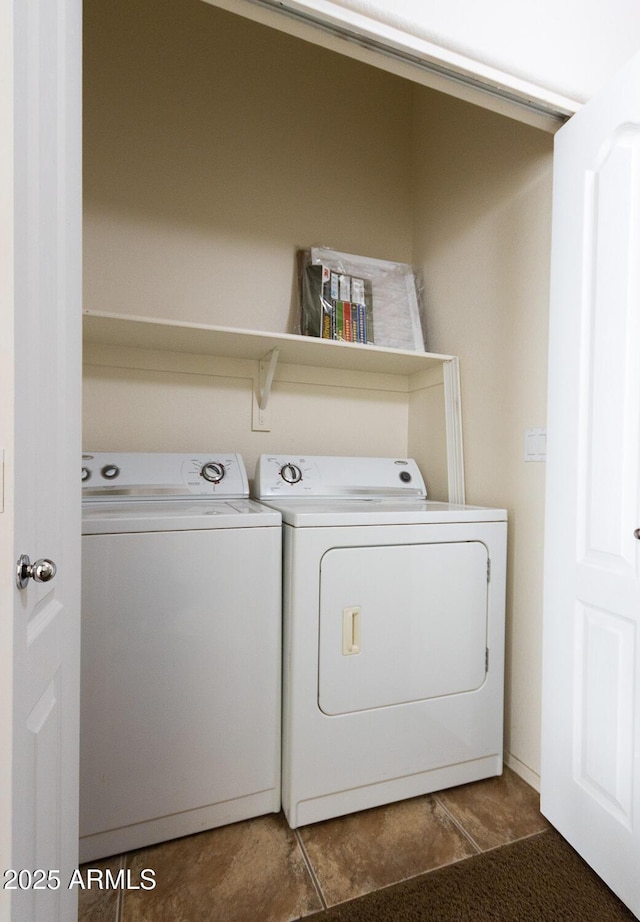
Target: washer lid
325,513
100,518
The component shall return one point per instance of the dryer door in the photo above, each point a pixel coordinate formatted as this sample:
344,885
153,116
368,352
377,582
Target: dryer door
401,623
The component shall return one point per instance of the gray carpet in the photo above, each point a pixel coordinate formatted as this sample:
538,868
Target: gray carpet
538,879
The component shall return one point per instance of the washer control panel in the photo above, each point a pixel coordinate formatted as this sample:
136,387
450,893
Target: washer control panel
162,475
340,478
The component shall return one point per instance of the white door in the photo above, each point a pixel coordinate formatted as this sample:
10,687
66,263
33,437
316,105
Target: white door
591,684
40,315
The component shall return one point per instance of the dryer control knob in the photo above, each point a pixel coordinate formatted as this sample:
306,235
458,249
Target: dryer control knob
110,471
213,471
291,473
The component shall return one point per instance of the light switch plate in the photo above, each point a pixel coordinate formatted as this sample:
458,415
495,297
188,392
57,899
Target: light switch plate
535,445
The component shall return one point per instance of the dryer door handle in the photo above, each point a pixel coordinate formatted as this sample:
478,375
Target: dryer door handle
351,631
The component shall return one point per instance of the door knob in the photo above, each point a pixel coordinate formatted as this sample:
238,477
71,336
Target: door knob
41,571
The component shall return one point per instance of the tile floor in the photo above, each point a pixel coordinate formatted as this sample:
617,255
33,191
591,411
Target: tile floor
262,871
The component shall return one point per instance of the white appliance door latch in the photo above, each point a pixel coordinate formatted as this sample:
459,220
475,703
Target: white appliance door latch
351,631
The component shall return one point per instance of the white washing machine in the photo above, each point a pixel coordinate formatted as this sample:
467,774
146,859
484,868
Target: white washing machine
393,634
181,649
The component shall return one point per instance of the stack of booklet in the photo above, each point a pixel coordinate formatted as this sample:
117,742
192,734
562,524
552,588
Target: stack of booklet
358,299
343,305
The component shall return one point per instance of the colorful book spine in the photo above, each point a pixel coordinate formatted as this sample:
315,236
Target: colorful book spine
340,305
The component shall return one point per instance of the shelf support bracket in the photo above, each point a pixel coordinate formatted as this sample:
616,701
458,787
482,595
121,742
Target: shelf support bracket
266,371
265,377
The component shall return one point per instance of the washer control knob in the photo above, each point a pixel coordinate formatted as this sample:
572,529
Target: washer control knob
291,473
86,474
213,471
405,476
110,471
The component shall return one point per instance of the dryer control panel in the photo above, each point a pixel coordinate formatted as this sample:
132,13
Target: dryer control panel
337,477
162,475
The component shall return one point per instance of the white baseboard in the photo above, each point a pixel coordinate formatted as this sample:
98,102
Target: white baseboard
527,774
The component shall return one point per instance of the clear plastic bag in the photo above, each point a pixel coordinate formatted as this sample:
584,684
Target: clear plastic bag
359,299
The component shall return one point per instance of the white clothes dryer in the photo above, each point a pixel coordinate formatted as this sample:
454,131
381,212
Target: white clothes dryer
181,649
393,634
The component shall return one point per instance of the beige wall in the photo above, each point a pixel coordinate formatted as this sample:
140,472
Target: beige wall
482,235
213,148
